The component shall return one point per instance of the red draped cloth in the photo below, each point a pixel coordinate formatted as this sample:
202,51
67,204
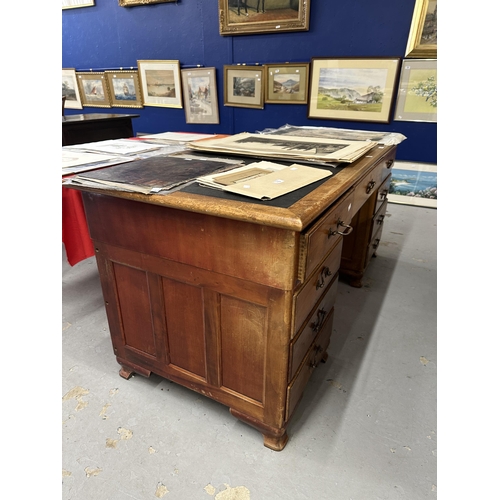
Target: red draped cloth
75,233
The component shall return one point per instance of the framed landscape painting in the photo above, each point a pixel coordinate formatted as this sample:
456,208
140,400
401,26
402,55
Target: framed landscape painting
124,89
243,17
94,89
160,83
200,95
413,184
422,39
287,83
244,86
70,89
354,89
417,95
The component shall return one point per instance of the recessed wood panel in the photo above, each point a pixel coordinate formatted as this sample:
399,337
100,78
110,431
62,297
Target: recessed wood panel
243,347
134,307
185,326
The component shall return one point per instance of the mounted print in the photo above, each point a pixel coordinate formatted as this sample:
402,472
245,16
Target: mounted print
417,95
422,40
243,17
353,89
160,83
244,86
94,89
287,83
200,95
134,3
70,89
75,4
124,89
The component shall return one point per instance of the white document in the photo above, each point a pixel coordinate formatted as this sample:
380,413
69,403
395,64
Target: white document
115,146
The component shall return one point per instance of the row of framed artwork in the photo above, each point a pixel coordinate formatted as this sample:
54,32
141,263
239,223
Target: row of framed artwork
356,89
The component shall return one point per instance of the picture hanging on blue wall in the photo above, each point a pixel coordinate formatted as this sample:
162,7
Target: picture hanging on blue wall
242,17
160,83
124,89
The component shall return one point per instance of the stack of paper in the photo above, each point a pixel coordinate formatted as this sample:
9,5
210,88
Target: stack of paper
310,149
264,180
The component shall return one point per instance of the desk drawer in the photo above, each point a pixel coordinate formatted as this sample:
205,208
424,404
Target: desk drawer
383,191
322,236
315,323
372,181
378,218
318,282
313,357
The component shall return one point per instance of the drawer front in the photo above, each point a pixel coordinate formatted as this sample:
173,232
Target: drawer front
372,181
383,191
313,357
314,287
378,218
323,235
312,326
375,241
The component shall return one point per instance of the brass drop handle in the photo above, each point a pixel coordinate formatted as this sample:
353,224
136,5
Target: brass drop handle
340,223
370,186
376,244
383,194
320,283
380,219
321,316
389,163
326,271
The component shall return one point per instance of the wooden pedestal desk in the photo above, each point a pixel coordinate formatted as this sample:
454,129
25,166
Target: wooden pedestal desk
234,299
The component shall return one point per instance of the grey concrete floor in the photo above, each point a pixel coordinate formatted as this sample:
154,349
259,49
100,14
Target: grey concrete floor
364,430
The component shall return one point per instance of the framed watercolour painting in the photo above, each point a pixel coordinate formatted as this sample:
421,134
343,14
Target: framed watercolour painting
413,184
287,83
124,89
422,40
417,95
200,95
160,83
244,86
70,89
133,3
353,89
75,4
94,89
242,17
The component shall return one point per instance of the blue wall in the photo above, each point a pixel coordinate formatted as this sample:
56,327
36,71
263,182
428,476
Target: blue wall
108,36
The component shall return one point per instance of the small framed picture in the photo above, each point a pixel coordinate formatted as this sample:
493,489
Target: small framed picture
417,94
160,83
422,39
70,89
199,89
124,89
134,3
94,89
287,83
75,4
244,86
353,89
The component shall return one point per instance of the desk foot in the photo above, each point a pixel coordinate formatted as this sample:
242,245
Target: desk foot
128,369
274,439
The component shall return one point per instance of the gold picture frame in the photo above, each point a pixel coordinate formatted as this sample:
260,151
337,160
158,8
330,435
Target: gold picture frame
353,89
124,89
422,40
242,17
160,83
287,83
417,94
76,4
135,3
94,89
244,86
70,89
199,88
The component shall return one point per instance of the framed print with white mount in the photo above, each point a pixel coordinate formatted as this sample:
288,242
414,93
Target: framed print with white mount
200,95
75,4
124,89
354,89
243,17
133,3
70,89
287,83
417,95
160,83
244,86
94,89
